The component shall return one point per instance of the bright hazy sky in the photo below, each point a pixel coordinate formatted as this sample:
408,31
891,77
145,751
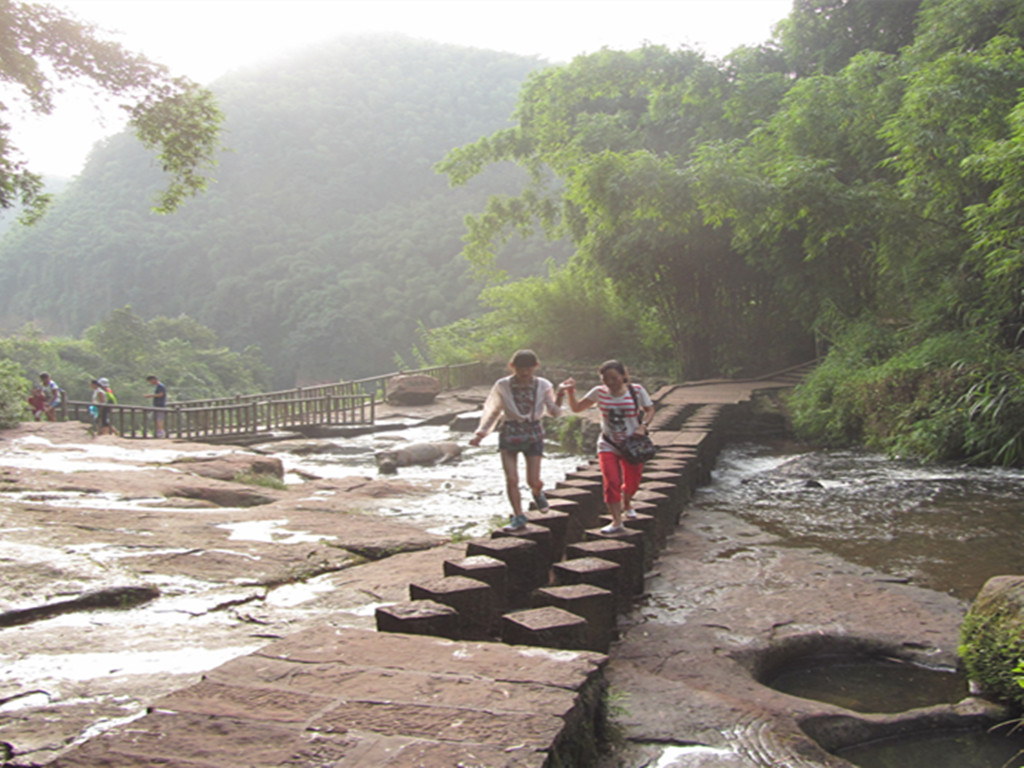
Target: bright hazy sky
205,39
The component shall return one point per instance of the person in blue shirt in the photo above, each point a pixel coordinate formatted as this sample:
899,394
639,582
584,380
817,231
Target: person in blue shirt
159,396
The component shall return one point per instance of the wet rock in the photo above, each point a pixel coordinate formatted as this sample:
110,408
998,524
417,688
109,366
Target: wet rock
308,448
111,597
221,496
426,454
378,550
412,389
230,466
992,636
465,422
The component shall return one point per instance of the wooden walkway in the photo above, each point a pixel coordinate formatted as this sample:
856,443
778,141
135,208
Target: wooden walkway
344,404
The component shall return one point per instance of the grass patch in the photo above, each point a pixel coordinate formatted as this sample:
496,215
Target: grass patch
263,481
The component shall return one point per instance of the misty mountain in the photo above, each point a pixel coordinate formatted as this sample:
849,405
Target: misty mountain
327,237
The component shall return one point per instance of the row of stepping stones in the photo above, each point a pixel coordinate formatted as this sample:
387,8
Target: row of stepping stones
561,582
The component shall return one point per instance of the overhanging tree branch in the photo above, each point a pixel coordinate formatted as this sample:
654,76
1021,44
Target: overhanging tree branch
42,47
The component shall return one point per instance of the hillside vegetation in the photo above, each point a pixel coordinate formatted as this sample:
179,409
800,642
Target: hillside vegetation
850,188
856,181
327,239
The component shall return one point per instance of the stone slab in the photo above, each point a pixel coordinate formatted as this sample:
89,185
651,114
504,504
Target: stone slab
364,699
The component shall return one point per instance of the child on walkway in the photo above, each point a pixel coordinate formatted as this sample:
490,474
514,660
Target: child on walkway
520,401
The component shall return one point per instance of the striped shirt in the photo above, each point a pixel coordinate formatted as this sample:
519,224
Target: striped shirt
620,416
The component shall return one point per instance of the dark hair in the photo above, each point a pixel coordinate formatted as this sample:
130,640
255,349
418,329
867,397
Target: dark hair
44,375
151,377
614,365
524,358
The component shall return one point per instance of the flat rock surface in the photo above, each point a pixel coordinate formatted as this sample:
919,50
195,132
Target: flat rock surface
327,696
268,606
235,565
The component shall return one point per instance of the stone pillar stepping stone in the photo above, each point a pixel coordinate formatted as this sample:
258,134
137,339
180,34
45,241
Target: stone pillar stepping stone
547,627
557,522
591,485
538,534
647,525
667,510
628,535
591,570
487,569
419,617
573,529
617,551
683,480
472,599
526,571
594,604
588,509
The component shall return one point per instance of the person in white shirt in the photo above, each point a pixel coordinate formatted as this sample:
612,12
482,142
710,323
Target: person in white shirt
519,401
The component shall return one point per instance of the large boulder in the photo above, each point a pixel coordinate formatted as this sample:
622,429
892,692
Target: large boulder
412,389
992,638
426,454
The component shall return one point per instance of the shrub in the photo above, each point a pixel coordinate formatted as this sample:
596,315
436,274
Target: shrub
14,389
992,639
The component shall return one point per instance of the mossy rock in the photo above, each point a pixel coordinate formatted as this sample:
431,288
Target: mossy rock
992,638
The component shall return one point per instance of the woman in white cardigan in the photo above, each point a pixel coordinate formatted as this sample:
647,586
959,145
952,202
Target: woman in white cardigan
519,401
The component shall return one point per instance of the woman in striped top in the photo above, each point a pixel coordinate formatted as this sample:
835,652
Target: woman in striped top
625,408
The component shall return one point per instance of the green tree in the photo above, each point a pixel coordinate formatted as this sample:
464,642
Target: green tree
42,46
822,36
619,131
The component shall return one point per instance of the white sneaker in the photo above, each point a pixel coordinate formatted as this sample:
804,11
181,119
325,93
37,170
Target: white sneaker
631,514
612,528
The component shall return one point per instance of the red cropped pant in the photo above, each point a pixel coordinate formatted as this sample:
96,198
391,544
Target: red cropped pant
619,476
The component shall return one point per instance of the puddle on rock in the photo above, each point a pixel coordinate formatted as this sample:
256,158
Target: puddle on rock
996,749
869,684
269,532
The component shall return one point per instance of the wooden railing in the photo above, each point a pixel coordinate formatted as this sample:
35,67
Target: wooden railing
185,420
348,403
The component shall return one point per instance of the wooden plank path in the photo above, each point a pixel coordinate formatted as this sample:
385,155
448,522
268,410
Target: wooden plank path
499,670
342,404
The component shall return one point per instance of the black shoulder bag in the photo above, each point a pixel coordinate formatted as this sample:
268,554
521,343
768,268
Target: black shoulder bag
636,449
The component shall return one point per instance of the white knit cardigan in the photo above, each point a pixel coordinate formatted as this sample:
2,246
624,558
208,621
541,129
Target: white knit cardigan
500,402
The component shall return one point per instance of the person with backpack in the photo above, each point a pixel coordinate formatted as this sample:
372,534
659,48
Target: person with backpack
53,394
105,426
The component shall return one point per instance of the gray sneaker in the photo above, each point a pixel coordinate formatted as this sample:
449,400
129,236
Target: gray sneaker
517,523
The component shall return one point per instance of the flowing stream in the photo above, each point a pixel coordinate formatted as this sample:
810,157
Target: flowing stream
940,527
945,528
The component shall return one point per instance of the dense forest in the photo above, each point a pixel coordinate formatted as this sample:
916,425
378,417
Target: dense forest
849,189
327,238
